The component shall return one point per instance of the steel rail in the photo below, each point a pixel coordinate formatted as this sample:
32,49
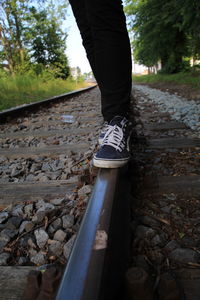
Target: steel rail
93,265
15,112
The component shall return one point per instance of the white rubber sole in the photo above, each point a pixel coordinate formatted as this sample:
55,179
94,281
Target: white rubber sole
109,164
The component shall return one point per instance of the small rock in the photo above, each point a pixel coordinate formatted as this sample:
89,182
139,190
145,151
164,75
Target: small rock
57,201
55,248
73,179
15,172
3,159
40,203
39,217
85,190
156,257
32,252
43,178
22,260
14,222
9,208
67,171
24,240
35,168
71,196
3,243
163,203
140,261
60,235
3,226
22,227
184,255
4,258
41,237
68,221
28,209
17,211
156,240
62,157
38,259
170,197
144,232
51,230
148,221
29,226
46,167
31,243
68,247
3,217
166,209
45,207
8,233
188,241
61,165
56,224
55,175
22,126
30,177
63,176
71,203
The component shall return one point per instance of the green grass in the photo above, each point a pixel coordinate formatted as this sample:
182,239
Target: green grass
190,79
20,89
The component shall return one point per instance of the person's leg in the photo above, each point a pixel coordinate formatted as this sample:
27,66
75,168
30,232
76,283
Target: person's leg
103,30
112,55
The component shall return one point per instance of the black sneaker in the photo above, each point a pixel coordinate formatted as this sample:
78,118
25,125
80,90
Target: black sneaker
113,152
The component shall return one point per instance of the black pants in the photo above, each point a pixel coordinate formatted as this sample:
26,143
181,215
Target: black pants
103,29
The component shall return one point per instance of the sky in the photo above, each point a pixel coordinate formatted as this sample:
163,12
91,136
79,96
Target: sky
76,52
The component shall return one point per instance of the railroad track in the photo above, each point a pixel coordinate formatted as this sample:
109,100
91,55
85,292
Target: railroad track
45,163
165,206
161,185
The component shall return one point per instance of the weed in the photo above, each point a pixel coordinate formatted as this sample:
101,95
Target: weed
21,89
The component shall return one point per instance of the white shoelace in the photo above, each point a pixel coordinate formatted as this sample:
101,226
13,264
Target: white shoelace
105,128
114,138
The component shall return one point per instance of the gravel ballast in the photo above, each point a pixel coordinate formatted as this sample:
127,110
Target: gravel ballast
179,108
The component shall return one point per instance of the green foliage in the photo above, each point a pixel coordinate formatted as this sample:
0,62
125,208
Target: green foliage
191,78
3,74
20,89
13,15
33,63
48,43
166,31
31,34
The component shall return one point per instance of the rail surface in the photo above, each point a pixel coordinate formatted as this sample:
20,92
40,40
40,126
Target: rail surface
88,276
16,111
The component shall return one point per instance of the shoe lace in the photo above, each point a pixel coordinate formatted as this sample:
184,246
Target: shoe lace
114,137
106,126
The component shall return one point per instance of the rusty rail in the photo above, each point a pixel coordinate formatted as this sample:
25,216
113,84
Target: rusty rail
90,273
15,112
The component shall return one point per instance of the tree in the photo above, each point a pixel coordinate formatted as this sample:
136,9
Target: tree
48,42
31,33
190,11
163,31
12,20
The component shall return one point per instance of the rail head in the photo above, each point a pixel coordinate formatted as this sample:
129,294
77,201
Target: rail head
15,112
83,274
